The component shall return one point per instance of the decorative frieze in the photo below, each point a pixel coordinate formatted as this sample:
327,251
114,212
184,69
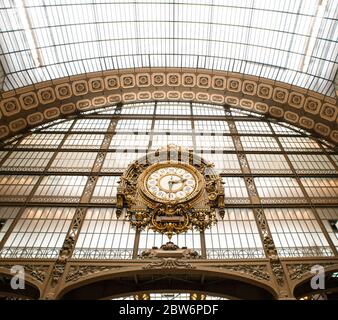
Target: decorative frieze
169,263
256,271
38,272
77,272
300,270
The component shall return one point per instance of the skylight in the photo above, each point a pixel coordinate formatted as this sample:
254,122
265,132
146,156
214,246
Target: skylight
293,41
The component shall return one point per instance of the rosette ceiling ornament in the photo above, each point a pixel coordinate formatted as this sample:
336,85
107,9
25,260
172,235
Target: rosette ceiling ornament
170,191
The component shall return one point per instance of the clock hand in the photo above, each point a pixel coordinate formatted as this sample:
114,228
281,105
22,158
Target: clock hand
181,180
170,182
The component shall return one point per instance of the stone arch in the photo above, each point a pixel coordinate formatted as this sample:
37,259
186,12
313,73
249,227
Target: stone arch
25,108
112,282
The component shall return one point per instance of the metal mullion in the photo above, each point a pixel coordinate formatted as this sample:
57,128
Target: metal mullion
304,232
238,205
50,31
125,55
251,229
151,135
209,22
232,233
193,132
10,54
129,237
88,132
83,230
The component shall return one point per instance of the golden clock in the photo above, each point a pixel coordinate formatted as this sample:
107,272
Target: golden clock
171,182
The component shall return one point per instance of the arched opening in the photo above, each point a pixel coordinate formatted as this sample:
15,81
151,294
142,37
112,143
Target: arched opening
129,284
30,291
308,290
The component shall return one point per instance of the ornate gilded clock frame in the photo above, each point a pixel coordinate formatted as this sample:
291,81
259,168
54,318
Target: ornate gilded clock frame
171,217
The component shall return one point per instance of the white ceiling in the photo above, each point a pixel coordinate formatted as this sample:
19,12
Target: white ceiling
266,38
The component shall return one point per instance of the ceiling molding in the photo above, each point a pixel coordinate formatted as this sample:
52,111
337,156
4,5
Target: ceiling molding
25,108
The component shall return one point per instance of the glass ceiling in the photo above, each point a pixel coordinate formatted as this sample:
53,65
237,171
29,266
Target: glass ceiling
293,41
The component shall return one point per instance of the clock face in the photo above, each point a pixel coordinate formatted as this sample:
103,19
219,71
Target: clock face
171,183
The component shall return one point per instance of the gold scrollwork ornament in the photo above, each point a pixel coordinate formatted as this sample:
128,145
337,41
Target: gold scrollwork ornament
171,197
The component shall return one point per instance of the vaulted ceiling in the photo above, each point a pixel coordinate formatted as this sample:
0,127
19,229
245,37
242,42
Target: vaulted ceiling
292,41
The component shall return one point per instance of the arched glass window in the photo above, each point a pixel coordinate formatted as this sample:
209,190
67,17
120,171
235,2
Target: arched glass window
58,169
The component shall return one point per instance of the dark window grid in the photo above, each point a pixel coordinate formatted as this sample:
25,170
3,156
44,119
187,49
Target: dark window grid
233,232
50,188
23,189
53,139
22,162
96,23
210,235
30,224
56,133
115,233
323,190
150,239
136,55
151,236
188,132
69,45
291,222
62,161
299,159
82,125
